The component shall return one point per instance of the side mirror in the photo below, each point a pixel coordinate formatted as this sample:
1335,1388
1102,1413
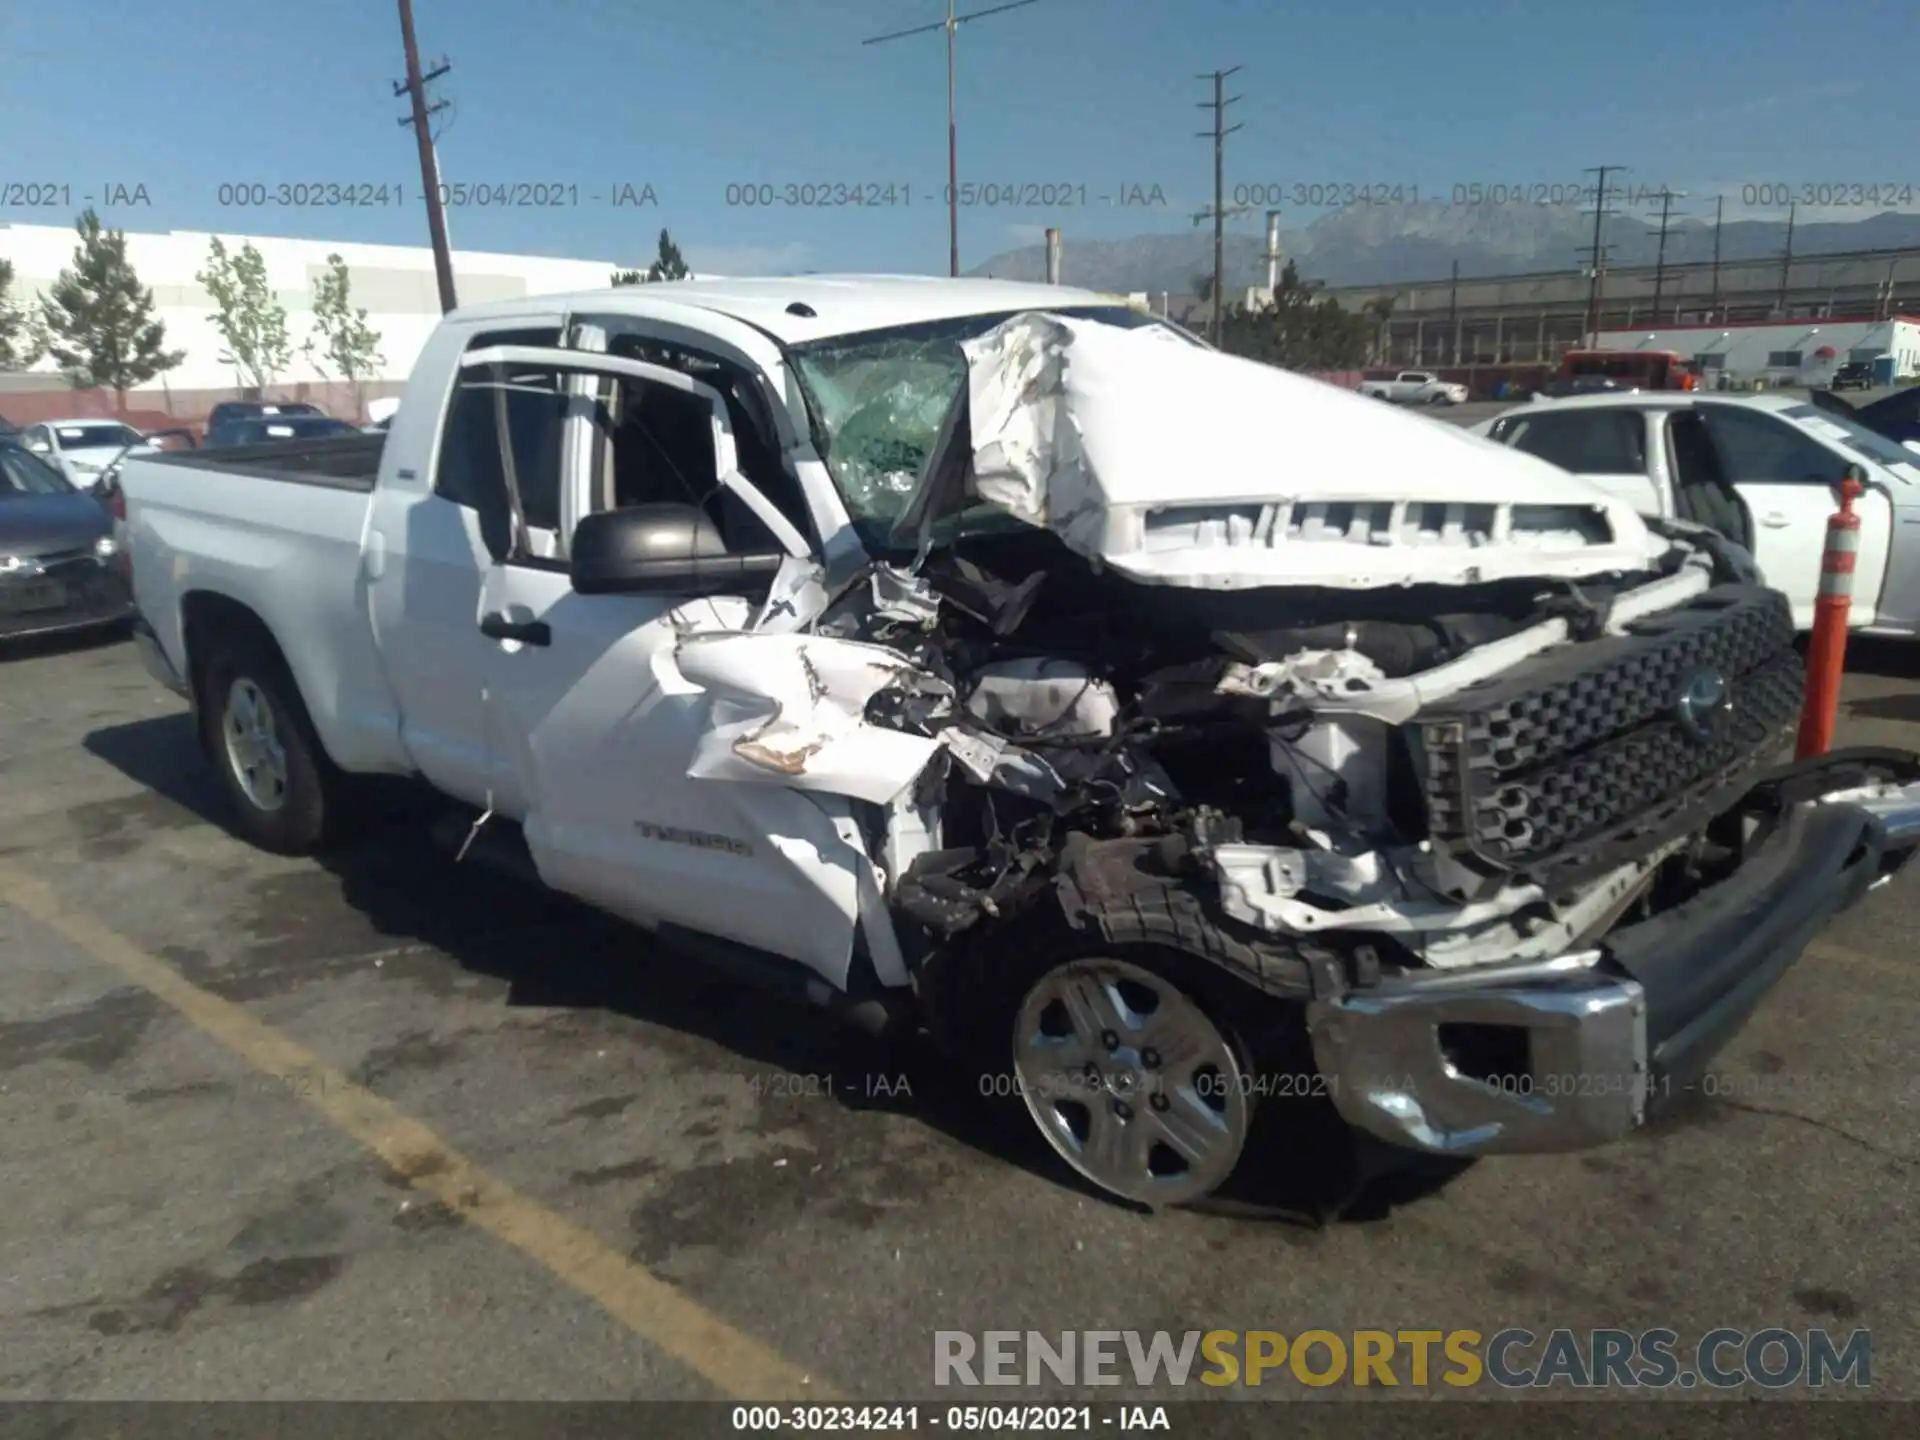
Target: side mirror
661,549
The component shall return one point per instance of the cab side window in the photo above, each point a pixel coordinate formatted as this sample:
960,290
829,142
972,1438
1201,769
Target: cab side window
470,472
659,449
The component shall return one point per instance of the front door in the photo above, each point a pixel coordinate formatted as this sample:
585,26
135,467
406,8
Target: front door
1789,481
591,727
428,548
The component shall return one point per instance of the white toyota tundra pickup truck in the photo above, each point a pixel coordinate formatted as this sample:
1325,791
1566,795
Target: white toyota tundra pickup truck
1412,387
1178,741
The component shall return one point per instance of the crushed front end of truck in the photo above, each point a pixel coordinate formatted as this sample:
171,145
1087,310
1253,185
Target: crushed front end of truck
1461,766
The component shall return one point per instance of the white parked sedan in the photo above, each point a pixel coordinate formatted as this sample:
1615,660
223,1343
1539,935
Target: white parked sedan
1762,469
81,450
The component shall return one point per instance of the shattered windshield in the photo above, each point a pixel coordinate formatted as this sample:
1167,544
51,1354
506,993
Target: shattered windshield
878,398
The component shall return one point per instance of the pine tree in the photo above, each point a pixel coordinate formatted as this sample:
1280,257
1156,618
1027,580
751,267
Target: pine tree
667,265
99,317
23,340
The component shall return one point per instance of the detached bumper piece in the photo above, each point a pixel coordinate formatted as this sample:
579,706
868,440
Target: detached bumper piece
1579,1050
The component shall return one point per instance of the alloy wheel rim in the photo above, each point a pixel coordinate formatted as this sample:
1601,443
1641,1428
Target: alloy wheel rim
1130,1082
255,754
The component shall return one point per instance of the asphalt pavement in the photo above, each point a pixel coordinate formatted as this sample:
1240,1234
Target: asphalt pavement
385,1128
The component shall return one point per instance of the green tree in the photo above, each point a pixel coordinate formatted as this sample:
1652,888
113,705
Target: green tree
341,341
667,265
99,317
1302,329
23,340
248,317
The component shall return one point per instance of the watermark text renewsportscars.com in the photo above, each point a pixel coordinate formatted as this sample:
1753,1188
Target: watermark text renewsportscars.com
1511,1359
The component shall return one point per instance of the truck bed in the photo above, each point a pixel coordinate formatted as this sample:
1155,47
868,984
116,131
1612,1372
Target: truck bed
339,462
214,521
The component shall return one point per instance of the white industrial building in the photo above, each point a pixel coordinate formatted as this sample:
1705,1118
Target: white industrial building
1784,352
393,283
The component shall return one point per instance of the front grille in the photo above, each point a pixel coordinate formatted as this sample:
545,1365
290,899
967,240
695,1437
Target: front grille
1580,759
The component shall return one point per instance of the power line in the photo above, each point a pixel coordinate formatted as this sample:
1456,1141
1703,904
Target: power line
952,23
1719,211
1219,135
415,89
1667,197
1595,290
1786,263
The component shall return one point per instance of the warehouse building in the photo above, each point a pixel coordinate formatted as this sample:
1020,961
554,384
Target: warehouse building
1771,353
1533,318
394,283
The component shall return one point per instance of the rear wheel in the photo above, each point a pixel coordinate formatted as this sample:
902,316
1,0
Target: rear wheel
284,790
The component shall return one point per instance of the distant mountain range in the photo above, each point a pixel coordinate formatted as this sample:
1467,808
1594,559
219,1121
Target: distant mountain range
1384,245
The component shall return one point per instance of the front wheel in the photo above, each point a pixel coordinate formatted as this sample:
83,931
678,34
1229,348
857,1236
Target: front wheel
1130,1081
1157,1077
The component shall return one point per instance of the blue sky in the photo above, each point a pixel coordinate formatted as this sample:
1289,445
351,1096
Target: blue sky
1095,95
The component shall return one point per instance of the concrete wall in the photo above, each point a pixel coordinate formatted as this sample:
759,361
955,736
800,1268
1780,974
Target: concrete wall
393,283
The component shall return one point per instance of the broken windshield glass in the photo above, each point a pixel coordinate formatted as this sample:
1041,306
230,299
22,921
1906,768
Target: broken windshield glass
879,398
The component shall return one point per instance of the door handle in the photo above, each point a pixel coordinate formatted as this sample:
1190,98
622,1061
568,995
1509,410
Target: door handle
496,626
1776,521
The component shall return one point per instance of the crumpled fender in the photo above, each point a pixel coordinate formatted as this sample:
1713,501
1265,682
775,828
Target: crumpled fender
789,710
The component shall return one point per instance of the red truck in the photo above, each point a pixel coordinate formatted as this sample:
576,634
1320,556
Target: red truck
1584,372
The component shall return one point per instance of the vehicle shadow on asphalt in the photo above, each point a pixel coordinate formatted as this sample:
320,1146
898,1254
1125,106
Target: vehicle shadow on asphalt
1886,659
553,952
64,642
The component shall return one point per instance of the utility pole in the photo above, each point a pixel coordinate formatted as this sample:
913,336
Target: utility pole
1453,316
1719,210
415,88
1219,135
1786,263
950,25
1596,289
1667,197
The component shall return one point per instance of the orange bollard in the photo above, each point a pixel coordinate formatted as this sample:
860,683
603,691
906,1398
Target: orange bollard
1827,645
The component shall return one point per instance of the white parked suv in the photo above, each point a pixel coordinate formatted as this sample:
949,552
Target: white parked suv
1193,749
1412,387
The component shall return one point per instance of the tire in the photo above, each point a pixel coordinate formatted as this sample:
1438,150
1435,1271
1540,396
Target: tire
285,792
1245,1055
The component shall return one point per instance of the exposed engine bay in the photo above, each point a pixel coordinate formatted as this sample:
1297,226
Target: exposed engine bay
1433,776
1261,704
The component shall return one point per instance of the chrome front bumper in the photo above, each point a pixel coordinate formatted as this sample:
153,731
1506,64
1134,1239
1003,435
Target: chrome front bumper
1590,1044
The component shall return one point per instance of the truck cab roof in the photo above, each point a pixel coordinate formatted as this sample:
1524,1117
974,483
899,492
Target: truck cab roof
812,307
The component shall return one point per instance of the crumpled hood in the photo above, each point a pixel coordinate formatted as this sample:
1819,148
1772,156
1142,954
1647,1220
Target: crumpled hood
1180,465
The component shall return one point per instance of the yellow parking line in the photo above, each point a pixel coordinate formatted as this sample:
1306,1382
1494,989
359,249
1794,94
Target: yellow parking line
733,1362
